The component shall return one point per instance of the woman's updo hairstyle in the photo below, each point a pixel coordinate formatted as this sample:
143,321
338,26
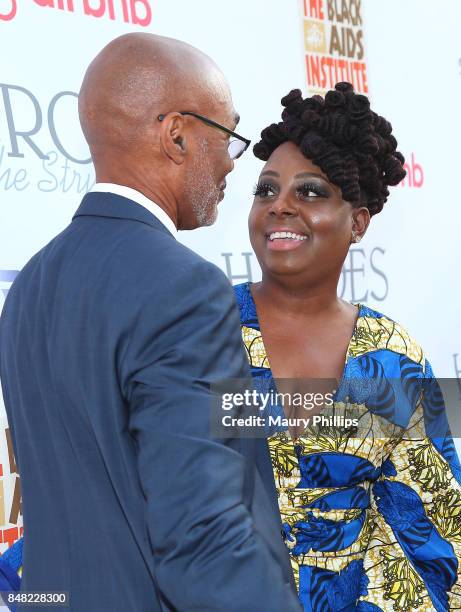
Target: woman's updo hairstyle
352,145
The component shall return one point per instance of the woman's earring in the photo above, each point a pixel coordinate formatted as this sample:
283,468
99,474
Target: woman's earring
355,238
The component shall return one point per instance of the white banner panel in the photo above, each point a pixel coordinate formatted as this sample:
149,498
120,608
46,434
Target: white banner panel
405,55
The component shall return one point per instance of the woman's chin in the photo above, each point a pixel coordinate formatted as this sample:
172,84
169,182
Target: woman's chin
285,268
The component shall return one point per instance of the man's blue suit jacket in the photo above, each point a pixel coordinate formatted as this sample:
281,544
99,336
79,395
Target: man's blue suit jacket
109,338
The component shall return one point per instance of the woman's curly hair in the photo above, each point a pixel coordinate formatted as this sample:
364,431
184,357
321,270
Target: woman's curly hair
352,145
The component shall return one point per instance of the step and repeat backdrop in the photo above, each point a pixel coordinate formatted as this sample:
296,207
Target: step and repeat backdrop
405,55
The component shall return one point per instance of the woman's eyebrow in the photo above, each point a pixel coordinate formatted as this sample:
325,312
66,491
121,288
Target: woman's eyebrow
300,175
307,174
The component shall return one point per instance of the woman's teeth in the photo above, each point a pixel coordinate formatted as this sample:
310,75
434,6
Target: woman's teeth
289,235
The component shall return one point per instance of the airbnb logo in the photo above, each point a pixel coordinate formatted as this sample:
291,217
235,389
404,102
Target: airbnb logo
11,12
415,174
136,12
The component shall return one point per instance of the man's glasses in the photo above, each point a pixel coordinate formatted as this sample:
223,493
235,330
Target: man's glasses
237,144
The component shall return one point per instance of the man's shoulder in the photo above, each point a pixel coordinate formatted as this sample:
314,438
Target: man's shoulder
128,245
120,261
27,274
162,254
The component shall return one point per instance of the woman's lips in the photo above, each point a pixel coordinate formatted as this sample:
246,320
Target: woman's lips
285,240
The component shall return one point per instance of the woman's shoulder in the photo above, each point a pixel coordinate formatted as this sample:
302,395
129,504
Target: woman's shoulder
245,304
241,290
367,311
378,331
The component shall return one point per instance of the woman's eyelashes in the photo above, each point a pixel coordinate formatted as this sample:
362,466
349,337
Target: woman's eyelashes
304,190
262,190
309,190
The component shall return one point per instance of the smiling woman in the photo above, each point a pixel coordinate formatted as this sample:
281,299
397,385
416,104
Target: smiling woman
371,520
301,200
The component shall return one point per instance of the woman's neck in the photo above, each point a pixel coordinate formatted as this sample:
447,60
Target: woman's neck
298,300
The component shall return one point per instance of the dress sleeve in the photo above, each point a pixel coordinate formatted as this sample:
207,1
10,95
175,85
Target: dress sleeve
413,559
10,571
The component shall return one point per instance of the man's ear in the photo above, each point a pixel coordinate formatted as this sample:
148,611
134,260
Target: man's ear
173,138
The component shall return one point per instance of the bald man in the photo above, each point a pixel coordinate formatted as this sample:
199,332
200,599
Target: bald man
109,340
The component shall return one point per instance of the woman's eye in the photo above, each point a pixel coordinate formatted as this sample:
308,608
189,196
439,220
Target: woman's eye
309,191
263,190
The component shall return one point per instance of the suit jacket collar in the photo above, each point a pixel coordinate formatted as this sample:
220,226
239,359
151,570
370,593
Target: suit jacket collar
97,204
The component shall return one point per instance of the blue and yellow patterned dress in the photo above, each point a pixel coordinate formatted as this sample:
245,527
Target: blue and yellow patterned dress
371,522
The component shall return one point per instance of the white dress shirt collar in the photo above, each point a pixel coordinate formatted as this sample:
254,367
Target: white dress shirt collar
139,198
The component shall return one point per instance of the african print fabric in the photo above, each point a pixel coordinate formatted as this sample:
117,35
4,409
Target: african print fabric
371,522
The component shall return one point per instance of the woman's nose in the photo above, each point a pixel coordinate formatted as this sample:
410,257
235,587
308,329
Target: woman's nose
282,207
